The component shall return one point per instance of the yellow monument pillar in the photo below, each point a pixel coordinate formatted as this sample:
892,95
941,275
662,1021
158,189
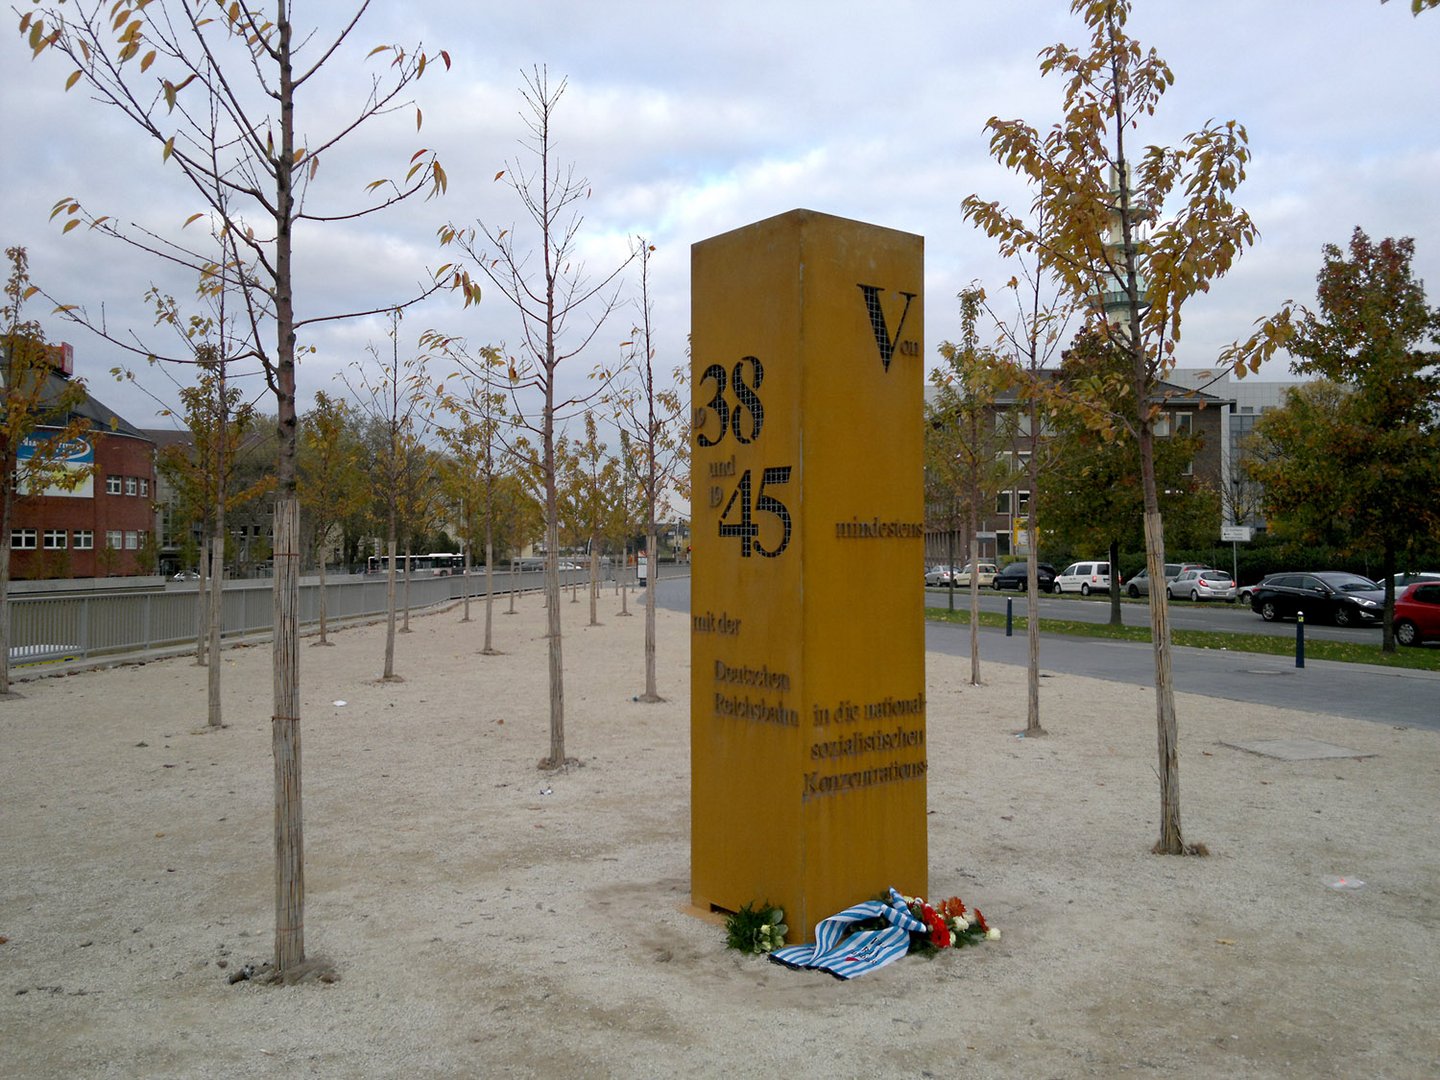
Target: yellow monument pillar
807,708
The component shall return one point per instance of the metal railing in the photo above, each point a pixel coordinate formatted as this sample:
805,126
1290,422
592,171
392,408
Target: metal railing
94,625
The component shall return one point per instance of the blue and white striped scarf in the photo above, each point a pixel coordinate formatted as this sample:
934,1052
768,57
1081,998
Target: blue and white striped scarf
846,954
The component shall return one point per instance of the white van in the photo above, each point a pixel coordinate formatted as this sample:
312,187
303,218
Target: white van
1084,578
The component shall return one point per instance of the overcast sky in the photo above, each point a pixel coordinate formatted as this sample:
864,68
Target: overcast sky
689,120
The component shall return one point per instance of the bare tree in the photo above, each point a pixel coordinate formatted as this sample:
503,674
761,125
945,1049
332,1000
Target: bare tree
226,115
202,474
548,299
398,399
971,453
653,417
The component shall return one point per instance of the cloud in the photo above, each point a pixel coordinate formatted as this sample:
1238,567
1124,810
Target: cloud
690,120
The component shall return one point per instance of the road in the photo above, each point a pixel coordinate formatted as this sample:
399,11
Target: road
1360,691
1219,616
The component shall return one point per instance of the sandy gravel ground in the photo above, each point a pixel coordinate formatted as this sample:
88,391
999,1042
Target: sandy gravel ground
486,920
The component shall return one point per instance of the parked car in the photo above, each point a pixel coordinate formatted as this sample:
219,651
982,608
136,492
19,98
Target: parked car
1204,584
1246,593
984,571
1417,613
1413,576
187,575
1139,584
1084,578
939,576
1015,574
1330,596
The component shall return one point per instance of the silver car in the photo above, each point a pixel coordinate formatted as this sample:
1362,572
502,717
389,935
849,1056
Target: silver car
1202,585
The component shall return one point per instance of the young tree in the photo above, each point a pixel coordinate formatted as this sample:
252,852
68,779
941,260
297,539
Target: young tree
202,475
1031,328
397,399
1358,475
1098,501
472,436
1112,241
549,301
35,415
968,453
655,439
218,89
588,482
332,482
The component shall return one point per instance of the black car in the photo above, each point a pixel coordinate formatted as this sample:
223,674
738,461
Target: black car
1014,576
1329,596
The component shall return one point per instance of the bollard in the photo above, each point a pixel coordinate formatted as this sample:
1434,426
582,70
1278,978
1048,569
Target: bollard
1300,639
1009,616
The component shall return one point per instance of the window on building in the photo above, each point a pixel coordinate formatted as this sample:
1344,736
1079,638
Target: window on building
1022,426
56,539
144,486
23,539
132,485
1184,423
113,539
1022,500
112,485
84,539
132,540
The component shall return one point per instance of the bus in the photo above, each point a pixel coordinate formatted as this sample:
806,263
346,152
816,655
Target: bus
435,564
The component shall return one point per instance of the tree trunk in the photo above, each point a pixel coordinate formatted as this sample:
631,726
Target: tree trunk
652,689
974,592
1387,626
1115,617
324,640
409,557
5,586
552,596
1171,841
202,604
389,673
950,557
466,572
285,656
289,819
217,611
489,649
1032,592
594,582
552,623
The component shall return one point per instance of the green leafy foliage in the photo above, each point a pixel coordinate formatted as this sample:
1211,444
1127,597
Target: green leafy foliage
1352,457
756,930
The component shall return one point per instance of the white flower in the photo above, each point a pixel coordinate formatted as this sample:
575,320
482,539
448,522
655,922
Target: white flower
993,934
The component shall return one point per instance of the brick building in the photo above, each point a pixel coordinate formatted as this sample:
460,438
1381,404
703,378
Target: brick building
105,525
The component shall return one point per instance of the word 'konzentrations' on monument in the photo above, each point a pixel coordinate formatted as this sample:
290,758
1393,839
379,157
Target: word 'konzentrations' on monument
807,643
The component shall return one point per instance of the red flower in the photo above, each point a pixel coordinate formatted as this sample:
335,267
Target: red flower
954,908
980,922
939,932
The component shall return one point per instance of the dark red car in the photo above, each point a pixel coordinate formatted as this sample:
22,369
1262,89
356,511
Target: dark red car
1417,613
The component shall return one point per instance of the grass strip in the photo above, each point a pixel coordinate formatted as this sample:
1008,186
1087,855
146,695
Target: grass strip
1424,658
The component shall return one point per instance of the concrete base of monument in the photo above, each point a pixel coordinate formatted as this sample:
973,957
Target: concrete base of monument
481,925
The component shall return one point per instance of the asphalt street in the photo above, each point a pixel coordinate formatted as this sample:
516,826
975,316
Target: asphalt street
1362,691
